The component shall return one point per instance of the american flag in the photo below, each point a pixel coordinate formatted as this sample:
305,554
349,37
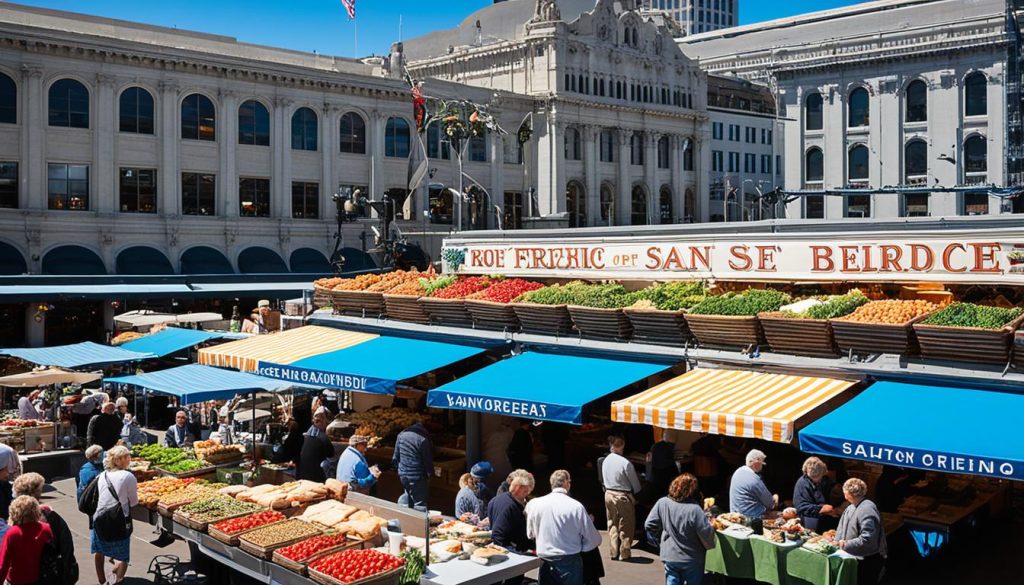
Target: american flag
350,7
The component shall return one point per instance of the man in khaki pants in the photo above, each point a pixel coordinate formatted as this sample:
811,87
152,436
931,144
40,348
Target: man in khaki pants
621,486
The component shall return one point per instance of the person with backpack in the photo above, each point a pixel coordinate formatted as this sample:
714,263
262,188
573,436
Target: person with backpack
90,469
62,565
21,554
117,492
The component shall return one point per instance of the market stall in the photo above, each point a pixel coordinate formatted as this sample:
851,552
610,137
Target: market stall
40,435
170,340
77,355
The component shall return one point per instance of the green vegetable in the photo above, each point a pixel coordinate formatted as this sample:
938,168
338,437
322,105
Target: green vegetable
429,286
218,507
747,303
837,306
415,564
673,296
598,296
183,466
160,455
971,315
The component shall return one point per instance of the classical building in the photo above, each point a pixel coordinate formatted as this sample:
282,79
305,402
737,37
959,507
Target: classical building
888,93
697,16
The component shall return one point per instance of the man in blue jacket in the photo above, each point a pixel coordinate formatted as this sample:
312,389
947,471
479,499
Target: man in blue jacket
414,462
352,467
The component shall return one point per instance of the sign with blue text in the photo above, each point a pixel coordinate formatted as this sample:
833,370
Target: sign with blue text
325,379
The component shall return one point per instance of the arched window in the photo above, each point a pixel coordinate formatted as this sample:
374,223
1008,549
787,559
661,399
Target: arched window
636,149
253,124
814,166
915,161
813,112
975,95
576,204
607,204
857,160
396,138
198,118
663,152
438,145
304,129
136,111
572,144
917,101
69,104
638,206
636,39
975,155
858,108
665,205
8,100
352,138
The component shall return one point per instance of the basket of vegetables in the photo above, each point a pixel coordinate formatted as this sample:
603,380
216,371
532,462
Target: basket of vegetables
402,302
322,288
199,514
968,332
447,306
228,531
659,314
264,540
357,567
491,308
881,327
802,328
295,557
543,311
730,320
596,311
350,296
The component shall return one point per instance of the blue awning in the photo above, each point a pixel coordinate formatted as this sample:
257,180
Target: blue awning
935,428
77,355
169,340
373,366
540,386
195,383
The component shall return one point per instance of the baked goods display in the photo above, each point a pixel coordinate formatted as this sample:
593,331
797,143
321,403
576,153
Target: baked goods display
329,513
489,554
214,453
279,497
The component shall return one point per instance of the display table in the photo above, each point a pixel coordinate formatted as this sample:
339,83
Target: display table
469,573
804,566
745,556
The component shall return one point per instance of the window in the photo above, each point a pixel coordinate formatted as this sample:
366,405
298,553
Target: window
304,129
607,204
8,185
975,95
438,145
198,118
917,101
975,155
813,112
857,163
253,124
513,152
688,156
572,144
858,206
915,162
975,204
352,139
441,207
665,205
716,130
396,138
566,83
717,161
8,100
766,164
136,111
138,190
254,197
814,207
68,186
814,166
636,149
305,200
734,162
607,144
478,149
858,109
513,210
198,194
69,104
749,163
915,205
751,135
576,204
663,153
734,133
638,206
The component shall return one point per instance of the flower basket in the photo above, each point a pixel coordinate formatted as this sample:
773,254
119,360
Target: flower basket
405,308
810,337
544,319
603,324
451,312
658,326
358,303
725,331
876,337
491,315
967,344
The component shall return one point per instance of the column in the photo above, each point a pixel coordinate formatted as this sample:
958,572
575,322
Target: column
227,143
591,176
281,183
169,174
702,158
497,188
103,184
834,126
328,130
650,176
887,140
551,167
33,141
676,154
377,122
623,207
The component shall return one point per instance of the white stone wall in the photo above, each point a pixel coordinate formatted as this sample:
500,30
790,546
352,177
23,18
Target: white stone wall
743,184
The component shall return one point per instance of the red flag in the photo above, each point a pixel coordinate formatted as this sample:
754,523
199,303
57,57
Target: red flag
350,7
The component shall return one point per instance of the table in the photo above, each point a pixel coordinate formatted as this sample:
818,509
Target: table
461,572
746,556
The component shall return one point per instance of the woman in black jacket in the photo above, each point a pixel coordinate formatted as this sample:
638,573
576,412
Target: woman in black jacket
31,484
810,497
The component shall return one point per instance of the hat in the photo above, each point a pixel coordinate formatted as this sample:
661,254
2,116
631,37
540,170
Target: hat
356,439
263,303
481,470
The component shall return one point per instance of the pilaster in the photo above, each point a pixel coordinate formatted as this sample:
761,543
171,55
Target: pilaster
169,174
328,130
102,184
650,176
497,188
623,202
280,139
591,176
227,145
32,194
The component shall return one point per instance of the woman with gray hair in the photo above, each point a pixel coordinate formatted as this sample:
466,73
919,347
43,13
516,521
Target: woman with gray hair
91,468
117,487
860,532
31,484
810,496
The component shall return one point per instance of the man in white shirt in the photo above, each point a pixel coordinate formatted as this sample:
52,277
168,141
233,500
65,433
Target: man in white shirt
27,408
621,485
563,530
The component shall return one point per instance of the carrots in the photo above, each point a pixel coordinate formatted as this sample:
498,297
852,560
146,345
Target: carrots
890,312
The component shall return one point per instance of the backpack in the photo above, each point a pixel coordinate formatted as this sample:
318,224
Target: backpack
112,523
90,498
51,564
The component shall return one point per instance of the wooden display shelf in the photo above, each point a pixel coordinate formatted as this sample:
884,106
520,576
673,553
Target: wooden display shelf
386,578
300,567
358,303
491,315
601,324
876,337
405,308
544,319
232,539
725,331
810,337
659,327
449,312
322,297
267,551
967,344
201,526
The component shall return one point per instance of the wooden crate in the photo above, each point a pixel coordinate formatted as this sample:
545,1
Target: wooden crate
405,308
491,315
358,303
300,567
194,473
602,324
967,344
201,526
876,337
725,331
450,312
322,297
386,578
232,539
659,327
810,337
265,552
544,319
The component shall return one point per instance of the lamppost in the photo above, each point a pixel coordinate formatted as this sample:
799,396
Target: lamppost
343,202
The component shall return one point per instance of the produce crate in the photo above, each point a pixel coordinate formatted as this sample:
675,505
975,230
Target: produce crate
386,578
267,551
1018,349
810,337
300,567
491,315
659,327
358,303
322,297
231,475
601,324
876,337
405,308
446,311
211,469
544,319
232,539
725,331
201,526
967,344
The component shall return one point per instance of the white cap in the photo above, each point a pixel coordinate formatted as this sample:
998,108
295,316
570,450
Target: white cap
756,455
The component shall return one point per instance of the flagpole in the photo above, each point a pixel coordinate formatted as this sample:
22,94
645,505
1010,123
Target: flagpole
355,39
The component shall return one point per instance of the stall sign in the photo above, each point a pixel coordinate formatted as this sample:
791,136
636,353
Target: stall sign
995,257
325,379
507,406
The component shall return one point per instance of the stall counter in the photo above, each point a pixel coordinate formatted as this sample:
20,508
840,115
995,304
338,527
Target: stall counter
740,555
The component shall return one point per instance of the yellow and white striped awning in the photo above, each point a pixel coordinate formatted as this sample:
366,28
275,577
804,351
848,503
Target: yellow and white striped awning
280,348
730,402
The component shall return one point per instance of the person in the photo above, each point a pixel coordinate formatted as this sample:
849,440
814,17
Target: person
893,487
91,468
27,406
508,517
291,447
225,430
860,532
352,466
329,400
520,448
104,428
563,530
117,487
22,548
414,462
810,495
8,459
480,472
747,493
83,410
122,407
468,501
31,484
316,448
661,467
681,530
178,435
621,485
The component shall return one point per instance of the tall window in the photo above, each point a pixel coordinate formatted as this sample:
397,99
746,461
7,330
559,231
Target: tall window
352,137
638,206
253,124
478,149
438,145
198,194
138,190
688,157
663,152
69,104
857,163
813,112
572,144
917,101
974,203
858,108
607,144
198,118
607,204
576,204
814,166
975,95
636,149
136,111
68,187
8,185
814,207
8,100
254,197
305,200
304,129
975,155
396,138
915,162
665,205
513,210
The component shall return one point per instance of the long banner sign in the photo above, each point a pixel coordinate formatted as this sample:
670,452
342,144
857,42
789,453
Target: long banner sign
325,379
992,256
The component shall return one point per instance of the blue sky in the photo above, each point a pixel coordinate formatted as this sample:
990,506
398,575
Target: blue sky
323,26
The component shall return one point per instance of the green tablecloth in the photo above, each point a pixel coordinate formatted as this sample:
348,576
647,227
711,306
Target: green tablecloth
804,566
766,562
731,556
